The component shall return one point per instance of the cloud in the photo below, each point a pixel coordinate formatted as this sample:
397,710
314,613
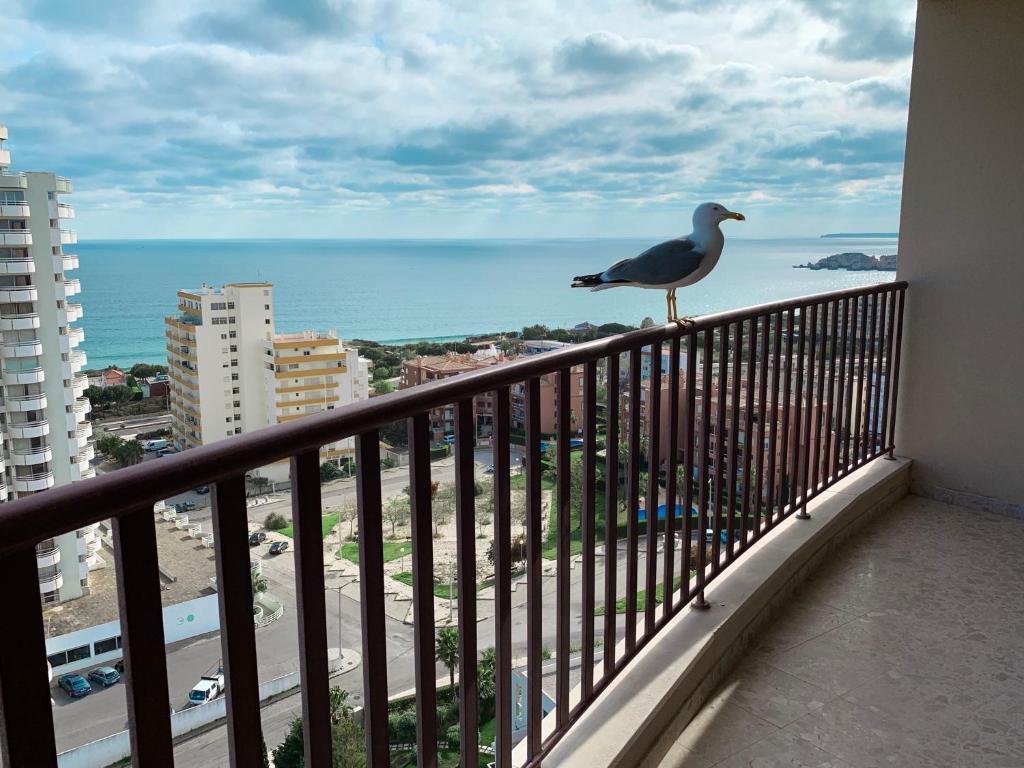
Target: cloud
607,54
442,114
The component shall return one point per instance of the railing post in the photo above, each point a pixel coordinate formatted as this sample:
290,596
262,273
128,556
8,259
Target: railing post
707,363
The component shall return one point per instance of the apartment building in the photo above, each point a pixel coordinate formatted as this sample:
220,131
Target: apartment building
231,373
46,439
215,359
421,370
310,372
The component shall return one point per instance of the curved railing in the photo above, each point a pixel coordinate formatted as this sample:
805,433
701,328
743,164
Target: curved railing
810,383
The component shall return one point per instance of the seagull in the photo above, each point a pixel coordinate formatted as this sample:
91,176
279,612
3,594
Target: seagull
672,264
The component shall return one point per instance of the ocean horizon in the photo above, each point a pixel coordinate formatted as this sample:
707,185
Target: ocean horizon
395,291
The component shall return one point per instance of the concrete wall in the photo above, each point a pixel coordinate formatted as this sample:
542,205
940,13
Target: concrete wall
961,414
181,621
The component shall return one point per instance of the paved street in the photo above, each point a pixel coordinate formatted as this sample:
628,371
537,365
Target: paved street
78,722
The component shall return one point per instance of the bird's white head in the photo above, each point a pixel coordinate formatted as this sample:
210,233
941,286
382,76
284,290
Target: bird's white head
712,214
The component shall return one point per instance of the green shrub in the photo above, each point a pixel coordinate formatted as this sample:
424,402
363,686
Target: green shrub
452,736
402,727
275,521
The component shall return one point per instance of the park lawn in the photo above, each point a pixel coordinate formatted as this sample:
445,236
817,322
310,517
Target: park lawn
392,550
327,523
441,587
641,597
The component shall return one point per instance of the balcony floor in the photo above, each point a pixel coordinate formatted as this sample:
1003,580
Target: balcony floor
907,649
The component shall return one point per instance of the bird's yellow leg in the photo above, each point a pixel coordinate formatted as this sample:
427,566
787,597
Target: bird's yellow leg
682,322
670,299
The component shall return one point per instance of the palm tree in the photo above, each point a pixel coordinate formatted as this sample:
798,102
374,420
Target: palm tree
447,651
485,673
259,582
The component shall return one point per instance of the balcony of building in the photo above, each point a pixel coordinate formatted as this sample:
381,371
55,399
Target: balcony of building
19,322
24,429
64,262
14,210
47,554
18,349
15,374
31,482
30,455
857,603
28,402
17,238
18,294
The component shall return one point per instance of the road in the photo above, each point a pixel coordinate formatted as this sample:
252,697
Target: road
104,712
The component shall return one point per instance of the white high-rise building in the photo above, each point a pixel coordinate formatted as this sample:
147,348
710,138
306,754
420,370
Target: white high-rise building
231,373
46,438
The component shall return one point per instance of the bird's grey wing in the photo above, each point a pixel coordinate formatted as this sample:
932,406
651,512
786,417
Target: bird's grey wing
662,264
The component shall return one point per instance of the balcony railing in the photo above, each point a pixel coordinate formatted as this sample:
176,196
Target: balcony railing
829,360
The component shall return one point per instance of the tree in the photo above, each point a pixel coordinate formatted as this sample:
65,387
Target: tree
396,511
483,510
289,753
395,434
447,650
520,508
485,673
348,513
259,483
145,370
128,452
259,582
443,506
381,372
347,741
329,471
108,444
383,387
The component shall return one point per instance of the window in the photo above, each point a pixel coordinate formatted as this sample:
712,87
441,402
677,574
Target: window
106,646
306,353
267,321
234,347
266,307
232,334
238,417
238,430
236,404
219,321
223,336
217,305
231,319
231,305
234,363
234,377
79,653
227,420
234,391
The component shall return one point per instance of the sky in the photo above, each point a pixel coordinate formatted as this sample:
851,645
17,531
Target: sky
418,118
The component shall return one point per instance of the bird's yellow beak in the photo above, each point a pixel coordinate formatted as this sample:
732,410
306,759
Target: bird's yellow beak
737,216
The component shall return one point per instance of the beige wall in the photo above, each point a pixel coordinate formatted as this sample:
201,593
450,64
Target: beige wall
961,415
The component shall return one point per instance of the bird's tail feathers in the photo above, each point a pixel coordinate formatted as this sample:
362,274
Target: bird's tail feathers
587,281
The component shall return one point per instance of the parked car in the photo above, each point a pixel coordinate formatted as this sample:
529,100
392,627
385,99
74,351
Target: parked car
208,688
257,538
489,469
166,451
154,445
277,547
203,489
105,676
74,685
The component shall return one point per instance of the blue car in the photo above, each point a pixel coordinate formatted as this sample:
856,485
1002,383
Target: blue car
105,676
74,685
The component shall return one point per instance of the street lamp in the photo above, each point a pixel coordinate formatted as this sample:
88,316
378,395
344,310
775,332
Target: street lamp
341,652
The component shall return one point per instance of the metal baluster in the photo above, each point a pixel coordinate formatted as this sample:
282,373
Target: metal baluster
807,404
311,610
842,432
423,589
820,398
587,525
26,714
896,373
534,543
371,599
142,637
748,433
734,429
786,481
690,404
611,510
774,414
632,500
793,487
876,380
887,371
237,631
465,556
707,363
723,395
503,580
858,424
836,450
564,486
671,489
653,463
764,420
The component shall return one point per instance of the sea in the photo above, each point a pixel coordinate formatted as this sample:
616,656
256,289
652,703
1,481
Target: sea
397,291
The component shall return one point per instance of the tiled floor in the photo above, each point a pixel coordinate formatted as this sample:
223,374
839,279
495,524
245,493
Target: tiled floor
907,649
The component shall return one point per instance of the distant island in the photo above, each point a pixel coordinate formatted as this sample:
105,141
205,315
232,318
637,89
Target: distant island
861,234
855,262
